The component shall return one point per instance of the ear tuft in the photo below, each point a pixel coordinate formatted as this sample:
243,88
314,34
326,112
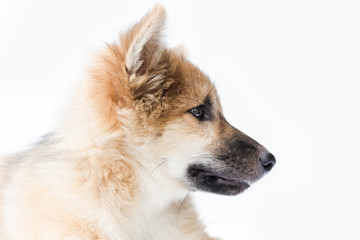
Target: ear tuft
181,51
143,40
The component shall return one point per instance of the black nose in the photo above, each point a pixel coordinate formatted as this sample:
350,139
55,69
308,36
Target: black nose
268,161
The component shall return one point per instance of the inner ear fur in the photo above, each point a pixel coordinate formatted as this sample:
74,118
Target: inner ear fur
143,41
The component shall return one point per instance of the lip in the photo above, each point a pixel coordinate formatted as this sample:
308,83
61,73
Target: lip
209,180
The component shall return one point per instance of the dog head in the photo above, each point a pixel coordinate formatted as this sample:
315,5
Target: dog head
172,113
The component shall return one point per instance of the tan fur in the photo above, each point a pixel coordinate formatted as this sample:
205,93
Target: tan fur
115,168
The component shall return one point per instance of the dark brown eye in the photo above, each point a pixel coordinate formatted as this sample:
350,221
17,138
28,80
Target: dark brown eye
199,112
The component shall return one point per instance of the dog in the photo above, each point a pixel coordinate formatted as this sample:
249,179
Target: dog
142,130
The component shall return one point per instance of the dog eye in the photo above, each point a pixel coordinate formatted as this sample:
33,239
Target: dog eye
199,112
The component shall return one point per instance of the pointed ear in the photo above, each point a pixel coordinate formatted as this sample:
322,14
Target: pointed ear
143,41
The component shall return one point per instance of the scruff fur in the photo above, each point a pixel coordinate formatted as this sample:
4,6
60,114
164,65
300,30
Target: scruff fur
115,167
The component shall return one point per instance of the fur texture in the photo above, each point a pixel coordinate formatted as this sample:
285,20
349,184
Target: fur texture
130,148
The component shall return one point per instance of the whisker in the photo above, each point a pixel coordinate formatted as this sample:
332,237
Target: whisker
151,173
180,207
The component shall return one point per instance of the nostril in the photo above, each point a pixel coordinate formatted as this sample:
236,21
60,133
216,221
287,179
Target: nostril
268,161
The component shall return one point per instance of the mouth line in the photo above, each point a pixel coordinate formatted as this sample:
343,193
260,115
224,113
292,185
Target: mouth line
219,179
212,181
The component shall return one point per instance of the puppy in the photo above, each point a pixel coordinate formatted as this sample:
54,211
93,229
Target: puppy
142,130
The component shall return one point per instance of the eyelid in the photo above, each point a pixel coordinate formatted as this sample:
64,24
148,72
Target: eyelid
199,106
202,106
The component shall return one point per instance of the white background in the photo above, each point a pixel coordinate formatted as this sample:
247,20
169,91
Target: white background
287,72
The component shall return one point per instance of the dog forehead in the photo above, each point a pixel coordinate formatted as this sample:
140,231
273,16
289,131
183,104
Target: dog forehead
193,85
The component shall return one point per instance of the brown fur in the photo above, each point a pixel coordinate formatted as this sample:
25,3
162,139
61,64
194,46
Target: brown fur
117,165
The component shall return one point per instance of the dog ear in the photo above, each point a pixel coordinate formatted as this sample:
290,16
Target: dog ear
143,42
145,56
121,73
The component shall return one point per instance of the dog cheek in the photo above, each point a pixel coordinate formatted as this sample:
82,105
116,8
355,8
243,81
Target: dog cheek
182,153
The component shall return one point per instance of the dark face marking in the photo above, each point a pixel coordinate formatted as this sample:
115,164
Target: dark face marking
239,155
236,148
237,162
